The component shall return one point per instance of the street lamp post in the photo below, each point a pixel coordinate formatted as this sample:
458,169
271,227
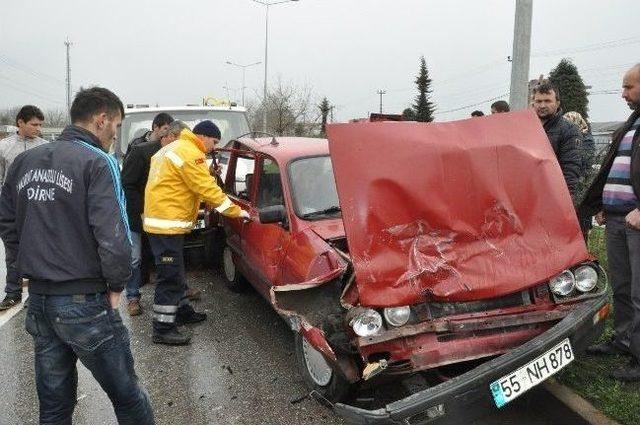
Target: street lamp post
244,69
266,5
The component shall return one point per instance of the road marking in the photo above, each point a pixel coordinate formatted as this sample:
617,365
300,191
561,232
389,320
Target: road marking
7,315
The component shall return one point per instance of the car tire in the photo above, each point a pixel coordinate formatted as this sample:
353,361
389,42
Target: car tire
232,277
318,374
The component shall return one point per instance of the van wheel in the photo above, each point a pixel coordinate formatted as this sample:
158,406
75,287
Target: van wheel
232,277
318,374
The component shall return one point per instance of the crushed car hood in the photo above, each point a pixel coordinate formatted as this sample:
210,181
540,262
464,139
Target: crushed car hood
456,211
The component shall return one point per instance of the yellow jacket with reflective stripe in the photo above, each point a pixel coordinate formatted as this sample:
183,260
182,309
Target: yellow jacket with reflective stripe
178,180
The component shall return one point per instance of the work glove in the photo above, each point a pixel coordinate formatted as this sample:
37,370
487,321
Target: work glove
244,215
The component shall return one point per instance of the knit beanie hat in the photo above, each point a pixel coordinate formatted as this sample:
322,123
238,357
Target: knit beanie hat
207,128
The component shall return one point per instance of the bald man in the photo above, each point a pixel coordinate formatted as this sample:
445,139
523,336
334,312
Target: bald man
614,198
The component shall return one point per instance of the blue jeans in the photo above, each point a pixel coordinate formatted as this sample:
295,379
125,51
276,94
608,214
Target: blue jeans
133,285
14,283
66,328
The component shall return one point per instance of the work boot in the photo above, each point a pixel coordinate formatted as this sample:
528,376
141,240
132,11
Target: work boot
171,337
628,373
193,294
607,348
187,315
10,301
133,307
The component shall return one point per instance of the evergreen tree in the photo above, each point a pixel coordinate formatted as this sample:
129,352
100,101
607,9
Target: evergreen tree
409,114
573,93
423,107
325,108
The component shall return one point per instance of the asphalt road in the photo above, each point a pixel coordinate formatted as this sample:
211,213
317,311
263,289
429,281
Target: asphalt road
239,369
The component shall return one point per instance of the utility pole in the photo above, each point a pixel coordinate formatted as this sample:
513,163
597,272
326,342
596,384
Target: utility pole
381,93
519,96
68,45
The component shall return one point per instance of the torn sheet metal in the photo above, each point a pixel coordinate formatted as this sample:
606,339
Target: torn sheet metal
454,211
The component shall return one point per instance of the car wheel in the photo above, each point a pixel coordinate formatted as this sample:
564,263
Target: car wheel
232,277
318,374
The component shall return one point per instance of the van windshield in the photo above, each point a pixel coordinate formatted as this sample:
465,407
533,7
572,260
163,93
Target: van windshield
231,123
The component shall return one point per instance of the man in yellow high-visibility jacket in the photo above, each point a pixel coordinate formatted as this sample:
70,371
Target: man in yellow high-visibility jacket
178,180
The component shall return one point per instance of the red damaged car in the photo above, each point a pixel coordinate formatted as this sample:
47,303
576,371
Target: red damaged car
397,248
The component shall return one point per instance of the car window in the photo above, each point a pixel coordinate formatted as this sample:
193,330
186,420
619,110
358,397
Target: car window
269,185
313,188
243,177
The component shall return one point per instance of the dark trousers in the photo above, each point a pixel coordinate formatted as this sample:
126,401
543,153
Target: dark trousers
623,254
14,283
66,328
170,279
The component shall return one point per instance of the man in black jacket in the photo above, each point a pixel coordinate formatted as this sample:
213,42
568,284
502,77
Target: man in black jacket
564,137
614,197
135,172
63,220
159,128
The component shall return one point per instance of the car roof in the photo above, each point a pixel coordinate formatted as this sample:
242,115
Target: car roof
287,148
158,109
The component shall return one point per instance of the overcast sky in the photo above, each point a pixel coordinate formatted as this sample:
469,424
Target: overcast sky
174,53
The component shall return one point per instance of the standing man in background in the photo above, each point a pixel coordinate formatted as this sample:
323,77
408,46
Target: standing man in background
565,138
499,107
614,198
29,121
159,128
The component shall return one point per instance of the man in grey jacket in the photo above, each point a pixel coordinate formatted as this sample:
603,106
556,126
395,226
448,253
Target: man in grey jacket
29,121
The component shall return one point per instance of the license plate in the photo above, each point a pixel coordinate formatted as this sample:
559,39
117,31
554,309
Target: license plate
528,376
199,224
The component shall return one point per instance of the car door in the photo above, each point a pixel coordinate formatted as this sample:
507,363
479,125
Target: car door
239,186
265,244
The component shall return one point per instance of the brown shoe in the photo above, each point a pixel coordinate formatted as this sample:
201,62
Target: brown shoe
133,307
193,294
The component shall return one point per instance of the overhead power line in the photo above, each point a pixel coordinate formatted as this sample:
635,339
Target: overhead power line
24,68
22,90
460,108
590,47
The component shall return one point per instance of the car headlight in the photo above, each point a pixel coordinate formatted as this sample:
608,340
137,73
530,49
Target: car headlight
366,323
586,278
563,284
397,316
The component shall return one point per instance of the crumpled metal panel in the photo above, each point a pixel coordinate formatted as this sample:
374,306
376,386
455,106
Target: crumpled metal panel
456,211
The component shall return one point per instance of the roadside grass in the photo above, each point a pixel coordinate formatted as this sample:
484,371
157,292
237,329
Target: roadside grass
589,375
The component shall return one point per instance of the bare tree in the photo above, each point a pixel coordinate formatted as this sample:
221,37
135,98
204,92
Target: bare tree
56,118
8,115
290,111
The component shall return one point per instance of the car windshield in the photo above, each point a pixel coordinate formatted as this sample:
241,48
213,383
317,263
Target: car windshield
231,123
314,188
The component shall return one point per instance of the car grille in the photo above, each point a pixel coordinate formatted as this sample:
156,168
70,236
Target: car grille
435,310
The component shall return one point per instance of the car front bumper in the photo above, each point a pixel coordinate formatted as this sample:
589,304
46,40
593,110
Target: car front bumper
468,395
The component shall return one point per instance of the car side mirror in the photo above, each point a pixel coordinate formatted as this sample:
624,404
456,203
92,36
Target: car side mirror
273,214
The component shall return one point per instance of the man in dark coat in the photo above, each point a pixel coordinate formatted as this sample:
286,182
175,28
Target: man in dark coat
564,137
159,128
63,221
614,197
